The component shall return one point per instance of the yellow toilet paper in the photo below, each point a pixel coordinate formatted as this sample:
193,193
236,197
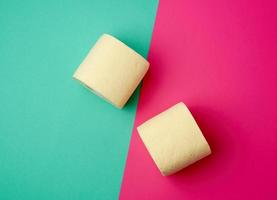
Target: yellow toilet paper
112,70
174,139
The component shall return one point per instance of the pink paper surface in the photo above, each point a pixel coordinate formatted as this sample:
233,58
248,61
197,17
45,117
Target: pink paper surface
218,57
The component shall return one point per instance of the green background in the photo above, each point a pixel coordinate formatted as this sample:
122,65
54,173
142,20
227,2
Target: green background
57,139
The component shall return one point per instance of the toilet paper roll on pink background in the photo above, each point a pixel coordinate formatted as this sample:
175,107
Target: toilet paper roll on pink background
219,57
174,139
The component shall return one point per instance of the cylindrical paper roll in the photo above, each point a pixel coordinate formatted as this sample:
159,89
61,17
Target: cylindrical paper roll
112,70
174,139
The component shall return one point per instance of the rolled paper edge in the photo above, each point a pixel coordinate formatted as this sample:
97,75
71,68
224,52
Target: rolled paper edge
94,90
206,152
123,101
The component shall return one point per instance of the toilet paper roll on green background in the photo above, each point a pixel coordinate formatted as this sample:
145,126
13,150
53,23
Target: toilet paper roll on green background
57,140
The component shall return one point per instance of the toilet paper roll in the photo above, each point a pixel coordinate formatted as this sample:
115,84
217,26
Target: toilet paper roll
112,70
174,139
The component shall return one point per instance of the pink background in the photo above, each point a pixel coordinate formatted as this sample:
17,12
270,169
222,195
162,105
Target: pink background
218,57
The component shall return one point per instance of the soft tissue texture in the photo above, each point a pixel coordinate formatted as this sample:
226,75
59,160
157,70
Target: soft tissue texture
112,70
174,139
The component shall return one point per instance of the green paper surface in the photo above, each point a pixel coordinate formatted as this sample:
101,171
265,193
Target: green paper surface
57,139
